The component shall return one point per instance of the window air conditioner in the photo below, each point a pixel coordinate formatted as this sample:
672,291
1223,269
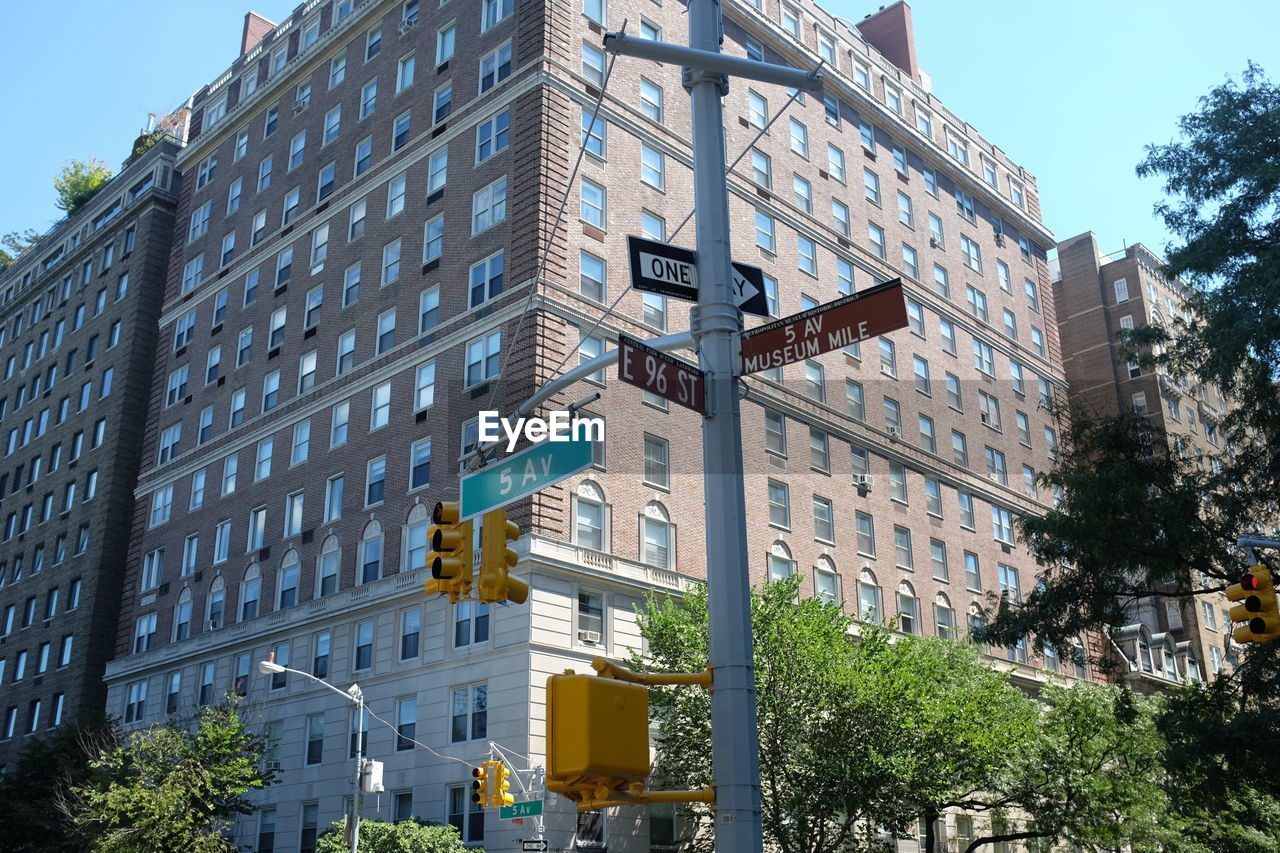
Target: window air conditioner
934,244
212,625
589,636
407,25
300,105
863,480
894,432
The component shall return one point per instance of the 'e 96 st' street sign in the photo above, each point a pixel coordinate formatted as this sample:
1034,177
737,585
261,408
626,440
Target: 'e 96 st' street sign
828,327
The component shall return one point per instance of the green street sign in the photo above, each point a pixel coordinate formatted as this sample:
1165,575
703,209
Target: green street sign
529,808
500,483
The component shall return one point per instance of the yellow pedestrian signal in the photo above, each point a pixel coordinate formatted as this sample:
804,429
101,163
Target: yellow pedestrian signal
598,737
502,786
451,552
480,785
1258,607
497,560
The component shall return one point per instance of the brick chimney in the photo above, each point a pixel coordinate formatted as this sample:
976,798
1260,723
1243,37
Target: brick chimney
255,27
889,31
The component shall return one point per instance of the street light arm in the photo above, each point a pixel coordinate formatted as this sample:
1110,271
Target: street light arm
353,694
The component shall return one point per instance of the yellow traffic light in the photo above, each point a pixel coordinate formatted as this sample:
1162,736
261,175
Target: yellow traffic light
497,560
1258,607
501,786
451,552
480,785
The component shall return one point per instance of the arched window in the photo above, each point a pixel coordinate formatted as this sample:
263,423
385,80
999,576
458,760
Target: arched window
1193,669
780,563
214,607
944,617
908,609
250,592
287,580
590,517
371,553
869,609
1051,661
1144,652
1170,661
975,622
826,583
182,616
415,538
327,567
657,537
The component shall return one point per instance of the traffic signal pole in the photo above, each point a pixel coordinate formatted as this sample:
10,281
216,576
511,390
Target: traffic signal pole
716,325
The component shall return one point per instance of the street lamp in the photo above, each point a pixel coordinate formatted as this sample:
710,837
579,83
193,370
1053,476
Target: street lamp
356,695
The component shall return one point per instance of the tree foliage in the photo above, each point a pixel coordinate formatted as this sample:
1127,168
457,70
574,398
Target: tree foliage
45,772
172,788
409,836
14,244
78,182
1137,519
863,737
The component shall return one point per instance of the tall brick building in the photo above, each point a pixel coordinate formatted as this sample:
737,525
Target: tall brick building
1097,296
370,192
77,345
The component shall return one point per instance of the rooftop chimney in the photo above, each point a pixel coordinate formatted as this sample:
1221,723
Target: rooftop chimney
255,27
889,31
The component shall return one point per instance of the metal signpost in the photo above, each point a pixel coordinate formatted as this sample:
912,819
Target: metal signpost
531,470
825,328
716,323
665,375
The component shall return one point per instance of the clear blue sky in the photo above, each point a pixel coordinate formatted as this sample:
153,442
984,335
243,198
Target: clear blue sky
1071,90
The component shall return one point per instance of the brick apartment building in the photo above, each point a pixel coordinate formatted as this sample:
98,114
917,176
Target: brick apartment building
1097,296
370,192
77,346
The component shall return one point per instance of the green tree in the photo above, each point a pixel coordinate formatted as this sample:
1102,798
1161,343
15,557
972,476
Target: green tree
171,788
46,771
78,182
13,244
409,836
853,735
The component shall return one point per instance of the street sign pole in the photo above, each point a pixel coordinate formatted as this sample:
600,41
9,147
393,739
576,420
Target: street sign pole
716,324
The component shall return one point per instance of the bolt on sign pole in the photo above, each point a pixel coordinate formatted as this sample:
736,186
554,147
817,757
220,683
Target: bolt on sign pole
716,324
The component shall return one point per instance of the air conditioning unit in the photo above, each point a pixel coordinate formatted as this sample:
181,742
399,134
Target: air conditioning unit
934,244
407,25
886,371
864,481
894,432
300,105
993,475
1000,240
589,636
986,419
212,625
273,765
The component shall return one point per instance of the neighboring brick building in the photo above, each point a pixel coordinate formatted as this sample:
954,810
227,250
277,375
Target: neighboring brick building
77,347
370,194
1097,296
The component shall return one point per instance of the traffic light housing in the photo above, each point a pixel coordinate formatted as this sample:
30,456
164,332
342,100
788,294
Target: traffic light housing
480,785
501,795
597,736
450,558
497,560
1258,607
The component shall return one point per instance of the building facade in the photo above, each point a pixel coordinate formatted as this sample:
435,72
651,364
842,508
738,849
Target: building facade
1098,296
398,215
77,340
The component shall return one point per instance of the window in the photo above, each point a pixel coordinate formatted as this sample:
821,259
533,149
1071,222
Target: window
483,358
592,203
875,238
492,135
467,817
1122,290
871,186
779,504
651,100
823,520
375,480
898,482
840,218
807,255
338,425
757,109
869,609
257,537
489,206
781,565
653,166
765,232
469,713
495,67
799,138
819,450
593,64
1002,524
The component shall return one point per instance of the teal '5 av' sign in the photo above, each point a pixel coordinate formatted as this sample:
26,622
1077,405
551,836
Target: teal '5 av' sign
533,469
